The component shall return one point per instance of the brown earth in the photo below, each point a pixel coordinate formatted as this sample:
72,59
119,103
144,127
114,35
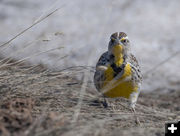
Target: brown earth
39,102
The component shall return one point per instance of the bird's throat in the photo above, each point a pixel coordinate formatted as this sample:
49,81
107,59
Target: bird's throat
118,60
118,55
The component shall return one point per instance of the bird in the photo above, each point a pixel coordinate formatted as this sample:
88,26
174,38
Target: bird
117,72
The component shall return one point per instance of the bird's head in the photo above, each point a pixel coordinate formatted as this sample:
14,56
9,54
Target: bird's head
119,44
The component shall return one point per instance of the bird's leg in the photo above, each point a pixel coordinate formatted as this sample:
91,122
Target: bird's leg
135,115
133,100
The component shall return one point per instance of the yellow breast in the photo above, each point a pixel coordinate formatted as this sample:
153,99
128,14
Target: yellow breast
118,87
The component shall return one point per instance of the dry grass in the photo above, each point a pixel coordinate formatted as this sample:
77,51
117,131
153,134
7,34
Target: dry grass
37,102
41,102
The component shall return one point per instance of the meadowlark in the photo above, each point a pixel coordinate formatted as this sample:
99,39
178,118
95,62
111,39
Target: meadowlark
117,71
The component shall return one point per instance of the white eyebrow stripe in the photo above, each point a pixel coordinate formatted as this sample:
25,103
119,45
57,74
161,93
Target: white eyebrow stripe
124,37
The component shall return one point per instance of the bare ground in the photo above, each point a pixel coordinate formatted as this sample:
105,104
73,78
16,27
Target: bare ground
38,102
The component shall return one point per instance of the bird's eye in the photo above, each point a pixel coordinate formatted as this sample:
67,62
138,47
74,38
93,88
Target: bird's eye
124,40
112,40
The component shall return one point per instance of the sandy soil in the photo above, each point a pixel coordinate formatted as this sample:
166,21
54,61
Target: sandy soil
38,102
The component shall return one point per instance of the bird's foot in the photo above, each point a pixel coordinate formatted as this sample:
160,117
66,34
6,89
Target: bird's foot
105,103
136,117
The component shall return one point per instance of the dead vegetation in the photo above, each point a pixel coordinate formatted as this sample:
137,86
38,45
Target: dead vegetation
37,101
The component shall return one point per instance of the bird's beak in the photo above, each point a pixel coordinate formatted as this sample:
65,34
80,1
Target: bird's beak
117,50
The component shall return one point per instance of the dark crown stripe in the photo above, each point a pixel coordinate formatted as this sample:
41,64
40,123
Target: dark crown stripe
114,35
117,35
122,34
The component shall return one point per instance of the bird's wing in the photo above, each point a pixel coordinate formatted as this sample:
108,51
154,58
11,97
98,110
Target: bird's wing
137,76
101,67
